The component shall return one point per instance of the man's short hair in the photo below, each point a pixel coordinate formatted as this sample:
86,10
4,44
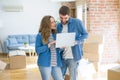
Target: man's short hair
64,10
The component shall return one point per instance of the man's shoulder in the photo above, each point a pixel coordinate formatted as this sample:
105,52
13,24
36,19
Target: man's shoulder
75,19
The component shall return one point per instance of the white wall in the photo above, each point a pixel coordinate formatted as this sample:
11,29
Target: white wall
27,22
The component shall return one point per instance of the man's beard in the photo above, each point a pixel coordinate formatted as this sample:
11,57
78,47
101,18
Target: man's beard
64,23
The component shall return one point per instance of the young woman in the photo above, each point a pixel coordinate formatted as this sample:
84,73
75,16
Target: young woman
49,60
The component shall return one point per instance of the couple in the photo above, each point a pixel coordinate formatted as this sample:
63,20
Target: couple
55,61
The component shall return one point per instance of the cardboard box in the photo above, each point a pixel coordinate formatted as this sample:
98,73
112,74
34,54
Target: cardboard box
93,57
2,65
17,59
17,62
95,38
93,48
114,73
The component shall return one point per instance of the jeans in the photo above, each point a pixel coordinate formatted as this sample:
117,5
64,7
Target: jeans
46,73
72,67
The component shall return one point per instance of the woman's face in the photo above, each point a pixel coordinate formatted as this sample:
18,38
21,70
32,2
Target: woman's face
52,23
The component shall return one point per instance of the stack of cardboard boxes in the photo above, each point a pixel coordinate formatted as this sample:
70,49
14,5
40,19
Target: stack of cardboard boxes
93,49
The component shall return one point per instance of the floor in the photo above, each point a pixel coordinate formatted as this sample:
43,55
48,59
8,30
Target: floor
31,71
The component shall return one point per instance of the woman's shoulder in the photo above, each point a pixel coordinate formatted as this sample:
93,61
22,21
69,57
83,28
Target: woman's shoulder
39,35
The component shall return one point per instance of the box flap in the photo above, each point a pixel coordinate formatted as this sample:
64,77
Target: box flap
16,52
2,65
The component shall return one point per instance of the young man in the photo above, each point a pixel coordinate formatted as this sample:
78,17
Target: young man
71,55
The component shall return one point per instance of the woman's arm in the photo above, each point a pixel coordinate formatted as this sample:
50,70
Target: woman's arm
39,47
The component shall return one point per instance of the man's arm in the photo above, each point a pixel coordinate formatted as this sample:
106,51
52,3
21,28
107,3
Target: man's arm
82,32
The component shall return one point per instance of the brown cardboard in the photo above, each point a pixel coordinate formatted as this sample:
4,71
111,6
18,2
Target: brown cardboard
95,38
93,57
18,61
114,73
67,77
93,47
97,66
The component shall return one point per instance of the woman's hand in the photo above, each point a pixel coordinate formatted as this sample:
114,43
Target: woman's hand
49,44
75,42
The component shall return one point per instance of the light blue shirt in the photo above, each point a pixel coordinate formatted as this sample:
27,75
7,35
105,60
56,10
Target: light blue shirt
43,52
75,25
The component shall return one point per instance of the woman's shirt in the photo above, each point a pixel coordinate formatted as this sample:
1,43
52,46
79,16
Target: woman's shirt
53,52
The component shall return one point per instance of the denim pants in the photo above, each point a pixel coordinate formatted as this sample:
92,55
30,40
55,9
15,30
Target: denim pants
46,73
72,66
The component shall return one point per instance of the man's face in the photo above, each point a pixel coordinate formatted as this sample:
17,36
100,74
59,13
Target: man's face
64,18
